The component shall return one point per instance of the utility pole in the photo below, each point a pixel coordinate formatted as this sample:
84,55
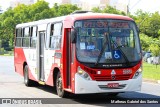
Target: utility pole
128,8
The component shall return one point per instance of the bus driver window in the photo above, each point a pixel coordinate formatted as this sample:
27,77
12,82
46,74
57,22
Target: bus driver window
119,41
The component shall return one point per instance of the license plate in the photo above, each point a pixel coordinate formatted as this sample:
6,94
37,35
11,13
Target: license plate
113,85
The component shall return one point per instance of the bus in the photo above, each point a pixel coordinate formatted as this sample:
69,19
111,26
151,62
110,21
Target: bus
80,53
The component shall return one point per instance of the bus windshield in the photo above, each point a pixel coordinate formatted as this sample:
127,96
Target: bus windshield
107,41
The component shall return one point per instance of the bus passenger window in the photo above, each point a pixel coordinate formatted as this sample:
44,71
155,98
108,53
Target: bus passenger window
26,38
53,42
56,35
33,37
19,37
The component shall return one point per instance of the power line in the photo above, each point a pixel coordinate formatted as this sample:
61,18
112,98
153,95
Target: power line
135,4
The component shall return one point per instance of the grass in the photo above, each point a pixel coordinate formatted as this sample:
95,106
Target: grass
6,53
151,71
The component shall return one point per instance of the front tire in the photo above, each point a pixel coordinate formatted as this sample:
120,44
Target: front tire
27,81
59,87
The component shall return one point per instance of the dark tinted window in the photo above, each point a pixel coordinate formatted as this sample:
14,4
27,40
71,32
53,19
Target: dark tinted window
26,38
18,39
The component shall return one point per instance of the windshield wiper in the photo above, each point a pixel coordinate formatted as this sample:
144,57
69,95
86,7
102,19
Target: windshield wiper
102,50
100,55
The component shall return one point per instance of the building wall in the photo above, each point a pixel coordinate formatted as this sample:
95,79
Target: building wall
15,3
104,1
84,4
66,1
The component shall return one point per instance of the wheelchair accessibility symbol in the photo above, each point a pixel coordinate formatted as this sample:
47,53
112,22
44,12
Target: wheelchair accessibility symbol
117,54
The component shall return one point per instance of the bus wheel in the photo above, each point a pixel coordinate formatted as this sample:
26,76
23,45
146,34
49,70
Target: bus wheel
27,81
59,87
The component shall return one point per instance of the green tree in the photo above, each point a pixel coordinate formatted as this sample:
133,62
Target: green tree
27,13
148,23
154,25
142,20
64,9
150,44
155,49
108,9
145,42
40,10
97,9
7,25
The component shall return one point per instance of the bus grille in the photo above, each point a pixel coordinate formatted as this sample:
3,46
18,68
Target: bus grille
109,78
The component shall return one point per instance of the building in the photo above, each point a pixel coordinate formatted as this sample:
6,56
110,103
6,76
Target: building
66,1
88,4
119,5
83,4
103,3
78,3
15,3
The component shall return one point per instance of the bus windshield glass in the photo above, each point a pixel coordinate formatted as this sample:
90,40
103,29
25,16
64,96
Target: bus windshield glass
107,41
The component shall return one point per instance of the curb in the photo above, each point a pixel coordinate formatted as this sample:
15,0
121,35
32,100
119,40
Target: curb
150,80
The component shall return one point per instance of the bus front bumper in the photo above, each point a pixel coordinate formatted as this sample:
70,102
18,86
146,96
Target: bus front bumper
83,86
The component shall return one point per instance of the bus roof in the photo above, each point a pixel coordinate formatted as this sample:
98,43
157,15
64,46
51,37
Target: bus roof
43,21
82,16
79,16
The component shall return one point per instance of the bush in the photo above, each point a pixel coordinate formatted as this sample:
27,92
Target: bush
2,51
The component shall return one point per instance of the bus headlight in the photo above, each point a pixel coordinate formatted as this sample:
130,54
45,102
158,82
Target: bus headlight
83,74
137,73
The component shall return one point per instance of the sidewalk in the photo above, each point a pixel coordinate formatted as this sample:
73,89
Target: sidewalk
150,80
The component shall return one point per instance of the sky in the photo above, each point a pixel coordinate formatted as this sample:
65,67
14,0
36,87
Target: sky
134,5
146,5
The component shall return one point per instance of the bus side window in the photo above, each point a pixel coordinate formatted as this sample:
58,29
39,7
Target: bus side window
56,35
51,36
48,35
25,39
18,37
33,36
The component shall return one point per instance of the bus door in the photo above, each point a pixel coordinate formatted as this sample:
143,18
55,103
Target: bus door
40,55
68,58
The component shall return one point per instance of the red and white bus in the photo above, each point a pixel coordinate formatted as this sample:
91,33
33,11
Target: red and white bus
80,53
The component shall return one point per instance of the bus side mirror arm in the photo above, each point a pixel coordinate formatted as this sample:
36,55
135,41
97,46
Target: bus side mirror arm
73,35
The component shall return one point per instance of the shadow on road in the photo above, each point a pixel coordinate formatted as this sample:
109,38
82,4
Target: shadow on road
103,99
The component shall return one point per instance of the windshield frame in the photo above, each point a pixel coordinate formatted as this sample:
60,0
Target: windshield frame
108,20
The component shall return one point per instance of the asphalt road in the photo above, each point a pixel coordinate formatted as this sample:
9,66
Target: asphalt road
11,86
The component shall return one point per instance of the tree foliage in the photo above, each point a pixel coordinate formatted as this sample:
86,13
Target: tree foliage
149,24
27,13
108,9
64,9
150,44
